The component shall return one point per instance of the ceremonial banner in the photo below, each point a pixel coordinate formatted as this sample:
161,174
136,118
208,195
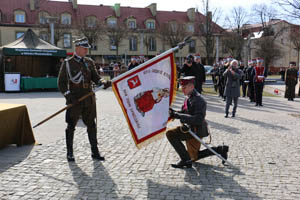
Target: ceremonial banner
145,94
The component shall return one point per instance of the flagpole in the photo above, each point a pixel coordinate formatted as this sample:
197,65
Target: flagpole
179,46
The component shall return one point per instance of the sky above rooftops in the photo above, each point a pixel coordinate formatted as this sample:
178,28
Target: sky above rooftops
224,5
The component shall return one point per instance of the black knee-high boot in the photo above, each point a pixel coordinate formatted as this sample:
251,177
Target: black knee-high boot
92,133
69,142
222,150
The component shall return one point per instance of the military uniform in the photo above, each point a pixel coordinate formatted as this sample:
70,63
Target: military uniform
75,80
290,82
259,75
193,114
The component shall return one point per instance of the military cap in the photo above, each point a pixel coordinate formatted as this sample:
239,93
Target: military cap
254,61
186,80
82,42
197,56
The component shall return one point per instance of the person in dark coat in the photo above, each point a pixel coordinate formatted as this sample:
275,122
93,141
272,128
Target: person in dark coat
191,69
132,64
200,72
193,115
291,79
232,88
250,78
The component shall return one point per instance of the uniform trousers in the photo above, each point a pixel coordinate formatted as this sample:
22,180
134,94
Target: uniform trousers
258,92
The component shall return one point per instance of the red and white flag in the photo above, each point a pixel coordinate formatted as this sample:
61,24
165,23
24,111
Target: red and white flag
145,94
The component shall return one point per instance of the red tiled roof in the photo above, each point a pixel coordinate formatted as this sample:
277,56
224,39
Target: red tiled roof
101,12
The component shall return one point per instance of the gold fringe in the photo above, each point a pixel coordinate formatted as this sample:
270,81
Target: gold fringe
150,140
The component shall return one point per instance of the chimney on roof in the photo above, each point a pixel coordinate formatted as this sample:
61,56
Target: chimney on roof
191,14
117,9
153,9
32,5
74,4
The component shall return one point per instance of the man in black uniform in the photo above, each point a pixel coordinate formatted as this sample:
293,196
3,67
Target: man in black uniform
75,81
193,114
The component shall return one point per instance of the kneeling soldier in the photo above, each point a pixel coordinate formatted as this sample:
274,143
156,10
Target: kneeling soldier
193,114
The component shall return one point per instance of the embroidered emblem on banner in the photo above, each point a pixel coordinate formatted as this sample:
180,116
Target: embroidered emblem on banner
134,82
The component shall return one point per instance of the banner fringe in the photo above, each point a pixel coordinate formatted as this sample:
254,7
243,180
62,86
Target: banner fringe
151,140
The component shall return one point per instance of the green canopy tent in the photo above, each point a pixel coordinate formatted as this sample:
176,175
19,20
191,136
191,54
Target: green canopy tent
32,56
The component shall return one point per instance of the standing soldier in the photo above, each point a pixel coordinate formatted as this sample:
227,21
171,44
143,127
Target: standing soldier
290,81
243,78
75,81
259,80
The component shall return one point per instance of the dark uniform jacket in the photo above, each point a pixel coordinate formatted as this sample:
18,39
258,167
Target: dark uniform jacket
86,67
194,114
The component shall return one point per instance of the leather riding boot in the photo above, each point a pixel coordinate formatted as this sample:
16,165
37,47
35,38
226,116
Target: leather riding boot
69,142
93,141
222,150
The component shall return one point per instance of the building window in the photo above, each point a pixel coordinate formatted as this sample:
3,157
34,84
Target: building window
20,16
19,34
190,28
91,22
192,46
132,44
67,40
43,17
150,25
112,44
152,44
131,24
66,19
44,36
112,22
173,27
0,16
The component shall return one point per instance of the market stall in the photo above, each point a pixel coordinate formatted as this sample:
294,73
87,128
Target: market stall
36,60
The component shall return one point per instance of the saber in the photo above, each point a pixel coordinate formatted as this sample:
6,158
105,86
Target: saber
68,106
209,148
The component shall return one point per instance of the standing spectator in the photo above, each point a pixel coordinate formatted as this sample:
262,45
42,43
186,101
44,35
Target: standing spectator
282,73
250,77
291,77
232,88
201,73
116,69
190,69
132,63
259,79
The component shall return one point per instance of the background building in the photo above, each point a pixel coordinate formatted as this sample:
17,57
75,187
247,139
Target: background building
115,32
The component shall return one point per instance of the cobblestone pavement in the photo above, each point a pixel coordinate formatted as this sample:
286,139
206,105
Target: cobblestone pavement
264,144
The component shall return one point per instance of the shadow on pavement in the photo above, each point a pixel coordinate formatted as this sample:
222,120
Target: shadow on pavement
208,182
12,155
100,183
262,124
223,127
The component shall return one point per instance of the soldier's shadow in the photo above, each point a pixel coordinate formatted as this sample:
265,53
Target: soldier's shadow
100,183
208,182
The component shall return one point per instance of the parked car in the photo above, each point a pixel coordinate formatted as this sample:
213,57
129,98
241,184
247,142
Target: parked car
208,69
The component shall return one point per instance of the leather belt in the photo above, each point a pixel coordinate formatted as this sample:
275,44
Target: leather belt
81,85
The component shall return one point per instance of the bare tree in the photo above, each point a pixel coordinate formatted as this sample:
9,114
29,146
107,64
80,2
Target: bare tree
290,8
295,38
173,33
266,45
92,31
208,30
234,40
116,34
